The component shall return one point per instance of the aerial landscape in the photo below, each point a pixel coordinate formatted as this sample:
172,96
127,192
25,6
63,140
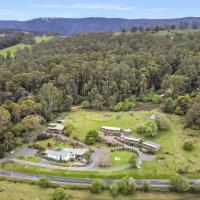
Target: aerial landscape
99,100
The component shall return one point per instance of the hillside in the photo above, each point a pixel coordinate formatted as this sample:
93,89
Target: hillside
68,26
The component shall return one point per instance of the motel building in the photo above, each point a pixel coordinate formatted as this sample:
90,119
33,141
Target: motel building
131,140
116,131
151,146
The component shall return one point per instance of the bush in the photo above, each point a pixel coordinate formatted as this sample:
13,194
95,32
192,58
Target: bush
44,182
114,188
145,187
43,136
188,146
133,161
151,129
86,104
196,188
127,185
59,194
123,105
140,129
179,184
69,128
162,123
156,99
120,106
92,137
97,186
169,105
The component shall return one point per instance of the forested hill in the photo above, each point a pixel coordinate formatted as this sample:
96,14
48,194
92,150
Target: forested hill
67,26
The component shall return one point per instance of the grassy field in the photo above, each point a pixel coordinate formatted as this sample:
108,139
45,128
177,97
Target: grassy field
29,158
119,158
22,191
168,161
16,47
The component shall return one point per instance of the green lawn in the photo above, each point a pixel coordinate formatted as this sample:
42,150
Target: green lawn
29,158
53,143
23,191
119,158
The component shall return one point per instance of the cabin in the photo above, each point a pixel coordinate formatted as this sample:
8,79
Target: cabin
116,131
66,154
131,140
56,128
151,146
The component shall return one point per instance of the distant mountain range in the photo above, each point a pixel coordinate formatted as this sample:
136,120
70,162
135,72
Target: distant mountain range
69,26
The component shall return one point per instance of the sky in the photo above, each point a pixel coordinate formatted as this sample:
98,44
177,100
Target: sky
131,9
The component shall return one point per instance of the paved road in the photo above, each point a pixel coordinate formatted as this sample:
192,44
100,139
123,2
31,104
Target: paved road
153,183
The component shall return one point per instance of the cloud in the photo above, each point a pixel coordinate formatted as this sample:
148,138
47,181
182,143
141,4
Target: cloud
100,6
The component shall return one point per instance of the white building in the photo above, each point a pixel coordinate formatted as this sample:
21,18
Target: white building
65,154
111,130
151,146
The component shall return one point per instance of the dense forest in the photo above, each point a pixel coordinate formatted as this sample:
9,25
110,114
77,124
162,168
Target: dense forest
10,39
102,71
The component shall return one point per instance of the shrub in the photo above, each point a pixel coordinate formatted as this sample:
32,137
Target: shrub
114,188
69,128
140,129
92,137
179,184
43,136
156,99
151,129
44,182
169,105
133,161
145,187
127,185
120,106
162,122
59,194
97,186
188,145
86,104
196,188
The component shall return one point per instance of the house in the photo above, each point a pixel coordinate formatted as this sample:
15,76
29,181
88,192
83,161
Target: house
77,152
111,130
56,128
151,146
59,155
131,140
66,154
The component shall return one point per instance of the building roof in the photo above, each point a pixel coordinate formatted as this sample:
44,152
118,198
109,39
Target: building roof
56,126
56,153
66,151
111,128
131,138
152,144
78,152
